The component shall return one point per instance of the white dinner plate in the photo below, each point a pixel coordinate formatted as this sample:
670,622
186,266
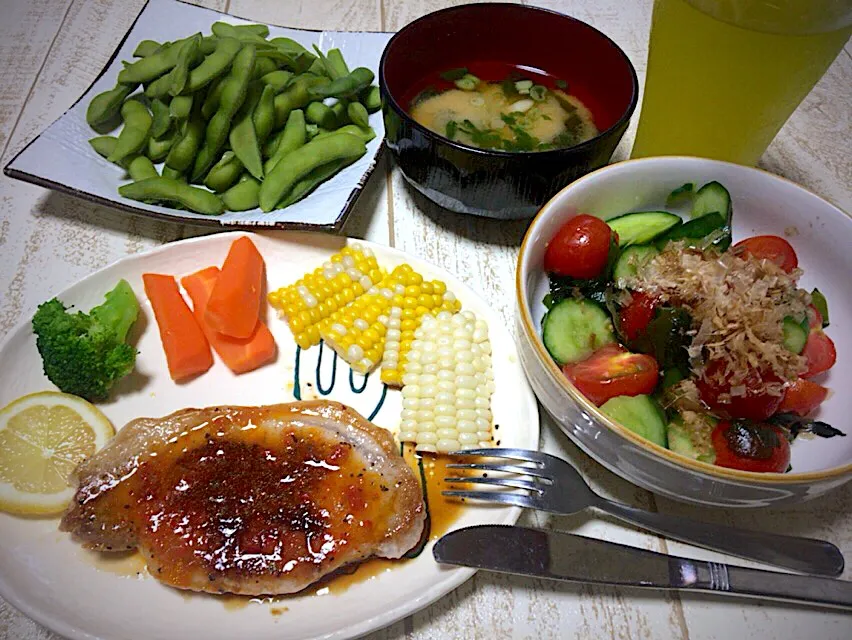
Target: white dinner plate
56,582
61,157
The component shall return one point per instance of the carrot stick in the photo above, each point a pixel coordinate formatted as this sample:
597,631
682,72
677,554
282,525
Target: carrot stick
186,348
239,354
234,305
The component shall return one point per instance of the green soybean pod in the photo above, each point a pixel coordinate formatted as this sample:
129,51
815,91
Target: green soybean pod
106,105
242,196
211,100
296,96
224,173
315,178
180,107
182,154
151,67
243,137
262,66
174,174
278,79
134,134
162,118
257,29
188,57
170,190
357,113
321,115
141,167
335,64
318,68
232,99
104,145
264,114
146,48
339,109
371,98
268,148
344,87
304,160
158,148
350,129
293,136
214,65
208,45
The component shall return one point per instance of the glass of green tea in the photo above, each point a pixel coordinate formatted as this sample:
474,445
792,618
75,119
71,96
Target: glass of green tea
724,75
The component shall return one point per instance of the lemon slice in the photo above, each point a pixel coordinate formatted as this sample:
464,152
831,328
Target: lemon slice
43,437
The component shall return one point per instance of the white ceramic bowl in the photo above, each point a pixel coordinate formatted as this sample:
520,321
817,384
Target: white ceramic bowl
763,204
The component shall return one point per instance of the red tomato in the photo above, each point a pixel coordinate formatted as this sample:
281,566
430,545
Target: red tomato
820,353
755,404
802,397
814,318
611,371
580,248
751,447
772,248
634,317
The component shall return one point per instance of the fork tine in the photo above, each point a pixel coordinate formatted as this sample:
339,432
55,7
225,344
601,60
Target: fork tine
500,482
518,454
507,468
494,496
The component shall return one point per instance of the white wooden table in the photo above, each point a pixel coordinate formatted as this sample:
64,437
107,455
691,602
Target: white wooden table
50,50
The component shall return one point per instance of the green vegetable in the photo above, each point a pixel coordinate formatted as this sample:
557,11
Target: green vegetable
821,304
242,196
695,231
631,260
225,173
214,65
357,113
293,136
454,74
314,179
146,48
371,98
679,440
163,189
680,195
278,80
795,334
640,414
243,137
667,338
140,168
468,82
85,354
162,119
105,106
538,92
643,226
134,134
574,329
344,87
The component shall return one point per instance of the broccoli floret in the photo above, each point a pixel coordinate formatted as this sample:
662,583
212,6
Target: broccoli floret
85,354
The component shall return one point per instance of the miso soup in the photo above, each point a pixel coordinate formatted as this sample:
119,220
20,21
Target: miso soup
521,112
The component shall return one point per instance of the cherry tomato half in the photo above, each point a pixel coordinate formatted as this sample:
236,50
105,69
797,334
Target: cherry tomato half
751,447
611,371
802,397
635,316
756,404
580,248
820,353
772,248
814,318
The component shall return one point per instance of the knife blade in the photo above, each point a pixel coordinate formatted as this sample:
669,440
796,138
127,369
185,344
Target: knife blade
573,558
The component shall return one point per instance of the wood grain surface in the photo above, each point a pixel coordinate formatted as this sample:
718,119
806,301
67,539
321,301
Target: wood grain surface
51,50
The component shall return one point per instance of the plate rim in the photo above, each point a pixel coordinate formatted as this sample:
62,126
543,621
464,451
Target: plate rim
456,575
207,222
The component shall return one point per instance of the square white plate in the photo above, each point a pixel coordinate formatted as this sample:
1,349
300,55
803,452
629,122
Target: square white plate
61,158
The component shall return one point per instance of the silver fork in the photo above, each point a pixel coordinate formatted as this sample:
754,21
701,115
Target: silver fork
552,484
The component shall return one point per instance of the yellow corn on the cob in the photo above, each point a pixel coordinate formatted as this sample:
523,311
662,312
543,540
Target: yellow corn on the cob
447,385
347,275
405,316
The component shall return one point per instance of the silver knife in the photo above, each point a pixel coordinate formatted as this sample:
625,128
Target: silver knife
574,558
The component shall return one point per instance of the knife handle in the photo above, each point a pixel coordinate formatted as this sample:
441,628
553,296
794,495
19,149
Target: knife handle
721,578
799,554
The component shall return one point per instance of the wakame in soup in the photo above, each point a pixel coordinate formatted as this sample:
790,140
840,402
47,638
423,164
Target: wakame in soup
515,114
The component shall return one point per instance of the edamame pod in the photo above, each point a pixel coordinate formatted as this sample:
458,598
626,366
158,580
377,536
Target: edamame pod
174,174
161,189
213,65
106,105
335,64
350,129
341,117
180,107
304,160
182,154
158,148
151,67
263,66
264,114
189,55
357,113
146,48
224,173
371,98
242,196
232,99
141,168
278,79
296,96
211,100
243,137
161,120
293,136
344,87
104,145
246,36
311,181
321,115
134,134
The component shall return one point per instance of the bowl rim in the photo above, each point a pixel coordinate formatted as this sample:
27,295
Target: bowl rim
574,394
435,137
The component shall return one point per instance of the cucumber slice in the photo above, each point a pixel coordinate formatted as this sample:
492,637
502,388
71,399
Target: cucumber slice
643,226
714,197
680,442
641,414
681,195
631,260
574,329
795,335
819,301
696,229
